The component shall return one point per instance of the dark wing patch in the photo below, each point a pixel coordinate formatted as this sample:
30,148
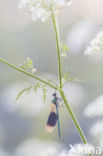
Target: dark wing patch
52,119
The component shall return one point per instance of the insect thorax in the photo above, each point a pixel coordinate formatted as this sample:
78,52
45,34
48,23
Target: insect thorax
54,101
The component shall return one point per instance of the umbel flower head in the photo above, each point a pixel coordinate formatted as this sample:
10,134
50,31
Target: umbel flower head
96,44
43,9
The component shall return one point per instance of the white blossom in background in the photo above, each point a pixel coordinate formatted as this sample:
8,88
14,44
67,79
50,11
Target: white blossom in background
95,108
96,45
33,147
79,35
37,147
63,55
79,150
42,9
97,130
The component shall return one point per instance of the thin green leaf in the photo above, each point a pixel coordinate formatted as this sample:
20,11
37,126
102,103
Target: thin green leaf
21,92
44,89
36,87
29,61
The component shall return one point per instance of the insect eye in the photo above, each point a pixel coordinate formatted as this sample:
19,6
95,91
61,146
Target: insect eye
54,94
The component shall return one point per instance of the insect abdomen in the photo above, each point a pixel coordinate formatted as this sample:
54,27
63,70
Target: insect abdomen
52,119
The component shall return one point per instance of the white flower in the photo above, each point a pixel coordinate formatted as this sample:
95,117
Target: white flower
34,70
42,9
63,55
95,108
96,45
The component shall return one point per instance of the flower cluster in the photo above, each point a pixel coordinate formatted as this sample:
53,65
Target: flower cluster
96,45
43,9
28,65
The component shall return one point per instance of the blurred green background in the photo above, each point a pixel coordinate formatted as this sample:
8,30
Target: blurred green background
20,38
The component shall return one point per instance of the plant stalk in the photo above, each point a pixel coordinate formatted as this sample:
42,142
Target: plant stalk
73,117
28,74
56,29
75,121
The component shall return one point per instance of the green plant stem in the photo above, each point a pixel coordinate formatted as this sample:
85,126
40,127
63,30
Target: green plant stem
28,74
75,121
73,117
56,29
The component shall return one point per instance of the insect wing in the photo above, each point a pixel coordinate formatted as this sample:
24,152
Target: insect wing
52,119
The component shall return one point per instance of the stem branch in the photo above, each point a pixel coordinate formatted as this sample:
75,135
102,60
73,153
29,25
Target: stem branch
28,74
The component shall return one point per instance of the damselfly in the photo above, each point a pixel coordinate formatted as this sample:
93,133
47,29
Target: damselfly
53,116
